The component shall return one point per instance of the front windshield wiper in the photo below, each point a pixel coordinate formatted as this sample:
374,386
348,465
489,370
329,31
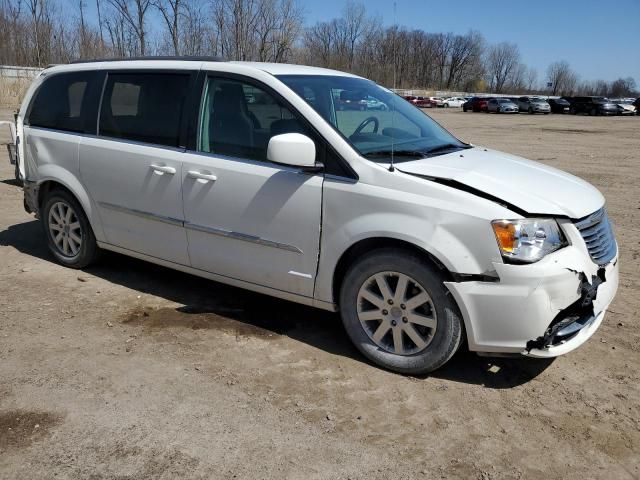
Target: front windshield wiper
395,153
446,146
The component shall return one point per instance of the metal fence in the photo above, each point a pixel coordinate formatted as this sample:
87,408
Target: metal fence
12,71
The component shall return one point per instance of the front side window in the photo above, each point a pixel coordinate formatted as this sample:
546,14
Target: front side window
145,107
60,102
238,119
374,120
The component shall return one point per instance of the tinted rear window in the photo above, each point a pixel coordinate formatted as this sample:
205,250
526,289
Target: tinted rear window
146,107
61,103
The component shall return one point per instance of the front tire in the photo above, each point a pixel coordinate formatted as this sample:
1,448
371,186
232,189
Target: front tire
69,234
398,313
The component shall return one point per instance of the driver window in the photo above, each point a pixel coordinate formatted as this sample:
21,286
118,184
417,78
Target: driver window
238,119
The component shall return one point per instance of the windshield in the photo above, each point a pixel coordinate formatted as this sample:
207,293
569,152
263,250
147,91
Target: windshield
379,124
504,100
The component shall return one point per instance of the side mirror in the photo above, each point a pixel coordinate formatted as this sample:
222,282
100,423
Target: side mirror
292,149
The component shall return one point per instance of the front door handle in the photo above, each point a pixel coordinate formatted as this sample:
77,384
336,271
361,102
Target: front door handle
202,176
162,169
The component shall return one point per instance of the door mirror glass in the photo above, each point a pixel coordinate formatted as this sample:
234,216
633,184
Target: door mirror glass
292,149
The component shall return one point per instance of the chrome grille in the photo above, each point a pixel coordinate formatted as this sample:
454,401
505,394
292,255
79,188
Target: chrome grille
598,235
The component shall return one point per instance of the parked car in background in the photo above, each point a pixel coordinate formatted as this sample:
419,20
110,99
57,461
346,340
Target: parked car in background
637,105
349,100
533,105
375,104
625,105
559,105
501,105
476,104
437,101
455,244
592,106
453,102
419,101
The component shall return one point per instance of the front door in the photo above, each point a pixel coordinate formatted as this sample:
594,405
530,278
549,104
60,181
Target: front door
133,168
247,218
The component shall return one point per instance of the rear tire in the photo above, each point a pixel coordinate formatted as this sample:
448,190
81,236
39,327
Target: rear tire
410,324
69,234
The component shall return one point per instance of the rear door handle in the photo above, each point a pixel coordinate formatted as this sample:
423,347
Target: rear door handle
162,169
202,176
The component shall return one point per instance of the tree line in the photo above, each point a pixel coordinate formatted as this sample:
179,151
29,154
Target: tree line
42,32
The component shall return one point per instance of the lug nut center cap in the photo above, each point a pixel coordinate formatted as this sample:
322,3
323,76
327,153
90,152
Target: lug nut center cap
396,312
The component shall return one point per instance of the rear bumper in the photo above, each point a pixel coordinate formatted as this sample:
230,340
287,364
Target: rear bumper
30,196
518,313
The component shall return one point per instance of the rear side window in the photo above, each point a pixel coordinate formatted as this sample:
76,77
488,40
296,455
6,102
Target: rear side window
146,107
62,103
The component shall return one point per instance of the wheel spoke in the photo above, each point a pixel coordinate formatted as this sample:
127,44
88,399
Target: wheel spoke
69,214
383,286
370,315
72,245
74,226
55,226
60,211
421,320
381,331
75,237
57,239
416,301
55,216
401,289
372,297
65,245
414,336
397,341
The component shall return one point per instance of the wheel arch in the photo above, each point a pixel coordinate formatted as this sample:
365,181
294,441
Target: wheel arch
55,177
355,251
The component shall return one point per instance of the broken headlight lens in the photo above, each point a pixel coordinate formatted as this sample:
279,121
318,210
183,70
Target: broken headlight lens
528,240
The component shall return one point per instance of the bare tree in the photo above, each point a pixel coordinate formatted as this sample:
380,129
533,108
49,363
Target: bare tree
532,79
133,13
503,61
563,80
172,11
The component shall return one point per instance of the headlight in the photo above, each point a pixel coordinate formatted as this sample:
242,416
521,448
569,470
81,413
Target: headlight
527,240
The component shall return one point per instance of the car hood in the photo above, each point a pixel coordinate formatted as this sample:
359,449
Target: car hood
530,186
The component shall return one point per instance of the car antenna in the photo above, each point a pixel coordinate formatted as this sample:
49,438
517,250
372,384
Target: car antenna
393,105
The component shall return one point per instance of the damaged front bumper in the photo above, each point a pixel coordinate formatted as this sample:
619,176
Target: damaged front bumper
544,309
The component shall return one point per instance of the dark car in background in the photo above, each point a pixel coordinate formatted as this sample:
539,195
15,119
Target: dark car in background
476,104
592,106
559,105
351,101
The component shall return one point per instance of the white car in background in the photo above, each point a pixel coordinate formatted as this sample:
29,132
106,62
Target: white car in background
453,102
625,105
422,242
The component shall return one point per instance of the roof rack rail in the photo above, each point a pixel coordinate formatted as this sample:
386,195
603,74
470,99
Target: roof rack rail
194,58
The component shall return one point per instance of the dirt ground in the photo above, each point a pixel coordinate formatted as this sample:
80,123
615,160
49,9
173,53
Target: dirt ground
132,371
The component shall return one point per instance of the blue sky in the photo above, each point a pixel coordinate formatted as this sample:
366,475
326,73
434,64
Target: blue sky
599,39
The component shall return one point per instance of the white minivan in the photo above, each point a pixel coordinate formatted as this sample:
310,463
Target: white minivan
266,177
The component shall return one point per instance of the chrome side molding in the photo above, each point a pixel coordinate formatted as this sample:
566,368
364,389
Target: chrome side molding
201,228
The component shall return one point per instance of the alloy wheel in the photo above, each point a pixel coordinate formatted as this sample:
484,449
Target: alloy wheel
397,313
65,229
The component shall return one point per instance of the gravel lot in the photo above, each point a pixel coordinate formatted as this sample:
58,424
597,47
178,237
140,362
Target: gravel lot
132,371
